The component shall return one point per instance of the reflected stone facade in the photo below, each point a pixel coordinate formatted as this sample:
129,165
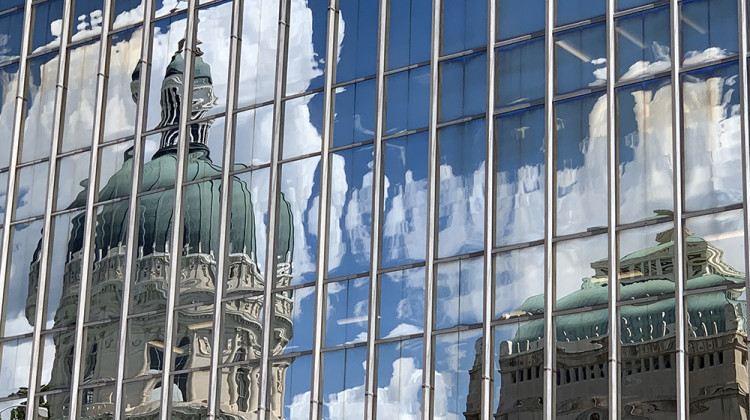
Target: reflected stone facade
243,329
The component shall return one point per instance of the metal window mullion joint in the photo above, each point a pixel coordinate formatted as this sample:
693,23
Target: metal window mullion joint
428,371
15,151
175,251
744,127
269,277
131,249
225,210
373,327
679,233
49,207
612,217
549,214
489,220
321,265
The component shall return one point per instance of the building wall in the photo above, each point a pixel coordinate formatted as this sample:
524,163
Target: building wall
373,209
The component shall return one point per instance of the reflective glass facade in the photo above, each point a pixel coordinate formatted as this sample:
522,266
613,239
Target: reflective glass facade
360,209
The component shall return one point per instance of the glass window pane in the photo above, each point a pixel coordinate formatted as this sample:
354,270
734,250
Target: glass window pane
404,221
581,169
62,287
408,32
398,374
643,260
519,201
712,140
307,44
299,201
11,32
401,300
88,19
580,59
520,73
350,212
343,384
8,90
574,10
462,86
31,187
346,311
709,30
645,149
10,409
127,12
47,19
519,18
456,356
581,363
115,164
576,278
656,387
627,4
146,348
124,54
519,377
239,390
643,43
290,395
358,39
214,33
14,367
167,34
407,104
252,141
80,97
40,103
519,283
303,124
459,293
716,351
354,119
461,192
295,321
464,25
142,396
715,250
72,177
260,20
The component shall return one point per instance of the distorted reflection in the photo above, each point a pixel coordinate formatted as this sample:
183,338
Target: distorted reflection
193,323
716,331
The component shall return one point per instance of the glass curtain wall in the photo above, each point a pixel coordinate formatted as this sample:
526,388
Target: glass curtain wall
344,209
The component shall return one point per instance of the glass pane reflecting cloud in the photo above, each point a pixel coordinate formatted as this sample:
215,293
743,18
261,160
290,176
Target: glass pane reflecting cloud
354,119
307,44
581,169
404,224
456,355
645,149
711,131
303,123
519,141
12,29
519,282
346,311
581,59
408,32
407,103
459,293
461,191
643,42
709,30
350,211
401,302
40,103
343,384
124,52
399,378
258,49
358,31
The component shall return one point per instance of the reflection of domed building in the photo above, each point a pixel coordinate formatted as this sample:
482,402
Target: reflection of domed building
717,349
193,322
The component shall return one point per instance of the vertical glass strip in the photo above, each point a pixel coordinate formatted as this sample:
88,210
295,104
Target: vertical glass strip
679,233
131,246
433,165
49,207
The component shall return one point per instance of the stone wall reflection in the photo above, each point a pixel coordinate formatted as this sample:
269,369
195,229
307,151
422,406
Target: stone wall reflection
192,343
717,343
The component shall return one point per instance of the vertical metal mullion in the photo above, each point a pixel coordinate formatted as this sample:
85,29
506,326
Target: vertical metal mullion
91,197
131,248
273,212
489,219
49,207
321,266
549,214
744,126
175,251
678,236
373,323
612,217
19,114
225,209
428,373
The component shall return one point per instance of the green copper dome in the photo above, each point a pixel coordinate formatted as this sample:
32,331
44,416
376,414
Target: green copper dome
201,209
